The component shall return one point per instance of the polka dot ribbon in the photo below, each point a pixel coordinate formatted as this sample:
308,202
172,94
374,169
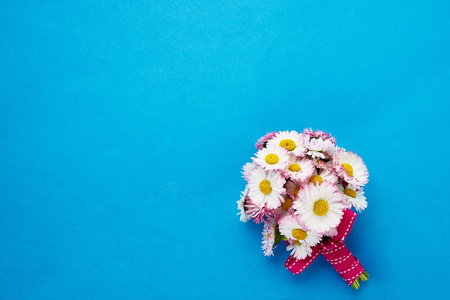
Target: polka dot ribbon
335,252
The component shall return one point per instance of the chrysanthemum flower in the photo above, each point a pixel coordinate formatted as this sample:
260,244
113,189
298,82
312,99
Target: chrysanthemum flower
325,174
292,141
256,213
299,169
266,188
272,158
354,196
293,229
318,147
262,142
241,203
320,206
268,234
350,167
299,250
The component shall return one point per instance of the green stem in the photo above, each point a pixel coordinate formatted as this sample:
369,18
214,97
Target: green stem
279,237
356,284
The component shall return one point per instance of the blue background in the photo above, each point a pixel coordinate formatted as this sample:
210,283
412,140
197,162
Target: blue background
124,125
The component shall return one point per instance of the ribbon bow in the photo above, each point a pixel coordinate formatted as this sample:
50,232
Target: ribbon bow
336,253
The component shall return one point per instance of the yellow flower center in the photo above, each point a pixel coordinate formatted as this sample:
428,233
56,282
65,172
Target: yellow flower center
288,144
320,207
348,168
297,188
316,178
287,203
265,187
299,234
294,167
271,159
297,243
350,192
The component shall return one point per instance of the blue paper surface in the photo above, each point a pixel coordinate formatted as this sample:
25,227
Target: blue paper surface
124,124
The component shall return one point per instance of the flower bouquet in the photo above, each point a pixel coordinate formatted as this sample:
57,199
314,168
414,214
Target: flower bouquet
302,187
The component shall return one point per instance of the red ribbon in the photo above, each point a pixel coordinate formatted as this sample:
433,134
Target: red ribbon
335,252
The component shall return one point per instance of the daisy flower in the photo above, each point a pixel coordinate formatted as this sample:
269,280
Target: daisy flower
278,213
319,134
268,239
292,189
299,169
318,147
320,206
284,209
255,212
350,167
293,229
322,164
272,158
323,175
292,141
287,204
299,250
262,142
241,203
247,168
354,196
266,188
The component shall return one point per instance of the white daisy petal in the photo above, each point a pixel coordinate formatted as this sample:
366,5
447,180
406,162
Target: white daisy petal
256,213
299,250
247,169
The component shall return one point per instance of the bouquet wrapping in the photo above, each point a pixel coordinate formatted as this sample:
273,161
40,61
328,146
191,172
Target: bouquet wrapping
302,186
